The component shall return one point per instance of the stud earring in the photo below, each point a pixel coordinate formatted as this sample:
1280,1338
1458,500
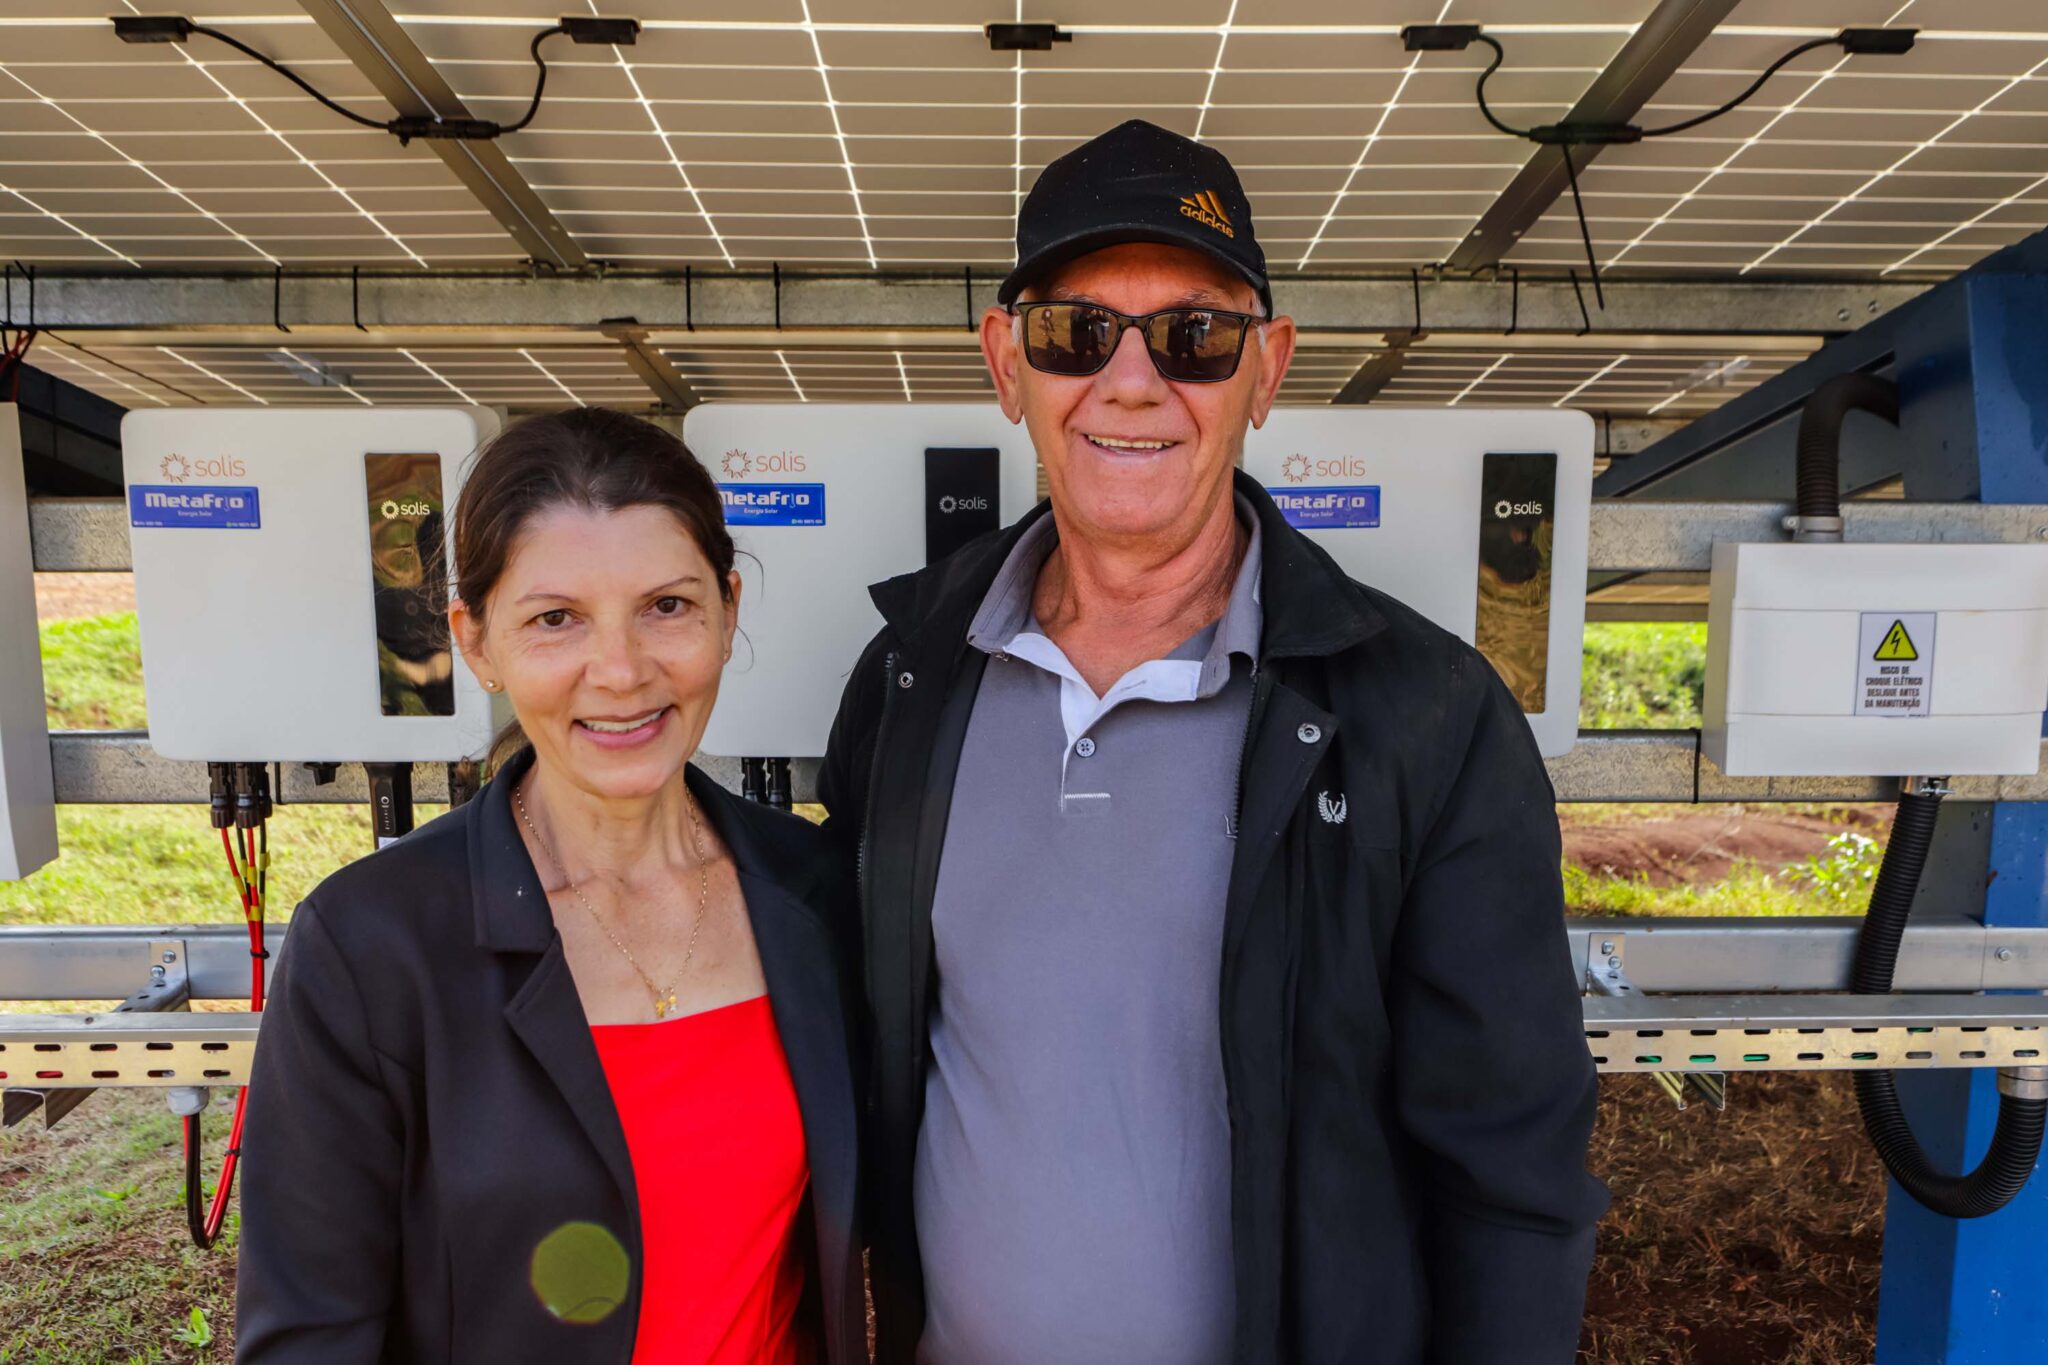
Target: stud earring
490,685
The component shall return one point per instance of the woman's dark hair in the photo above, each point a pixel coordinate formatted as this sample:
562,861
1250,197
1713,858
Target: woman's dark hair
582,457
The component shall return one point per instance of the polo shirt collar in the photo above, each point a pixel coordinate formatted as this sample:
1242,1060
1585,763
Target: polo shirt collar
1006,624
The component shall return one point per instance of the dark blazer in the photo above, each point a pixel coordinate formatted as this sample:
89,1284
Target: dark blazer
427,1103
1409,1085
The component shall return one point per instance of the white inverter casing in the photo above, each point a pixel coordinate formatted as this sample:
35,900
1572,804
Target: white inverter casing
823,500
1831,660
28,813
827,499
1478,520
289,581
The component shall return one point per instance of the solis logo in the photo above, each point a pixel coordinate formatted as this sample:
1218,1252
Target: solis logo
740,464
1206,209
177,469
1504,509
948,504
394,508
1300,469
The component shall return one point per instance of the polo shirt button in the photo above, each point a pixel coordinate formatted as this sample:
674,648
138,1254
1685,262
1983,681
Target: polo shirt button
1085,747
1309,734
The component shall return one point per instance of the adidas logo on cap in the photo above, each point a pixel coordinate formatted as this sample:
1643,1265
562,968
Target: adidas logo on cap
1205,208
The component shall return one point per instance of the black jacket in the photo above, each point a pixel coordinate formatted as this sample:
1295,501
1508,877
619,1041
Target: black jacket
1410,1091
427,1102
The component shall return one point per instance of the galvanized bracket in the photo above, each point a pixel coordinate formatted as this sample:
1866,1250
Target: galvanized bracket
169,987
1605,972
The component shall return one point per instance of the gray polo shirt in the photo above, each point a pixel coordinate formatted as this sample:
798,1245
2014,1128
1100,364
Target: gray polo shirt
1073,1170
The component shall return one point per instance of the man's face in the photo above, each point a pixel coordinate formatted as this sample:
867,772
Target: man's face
1131,457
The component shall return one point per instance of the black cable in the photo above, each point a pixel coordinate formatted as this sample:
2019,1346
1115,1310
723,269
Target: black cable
1565,136
407,127
1732,105
238,45
195,1198
540,82
1585,233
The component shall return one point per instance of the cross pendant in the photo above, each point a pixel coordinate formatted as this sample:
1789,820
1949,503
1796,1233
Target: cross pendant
664,1003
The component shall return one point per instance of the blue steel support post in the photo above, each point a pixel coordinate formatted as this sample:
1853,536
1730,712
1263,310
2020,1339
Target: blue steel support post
1973,375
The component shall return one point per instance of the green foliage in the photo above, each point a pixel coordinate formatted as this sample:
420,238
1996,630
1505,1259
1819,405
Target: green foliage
1643,675
197,1331
92,673
1846,874
1748,889
164,865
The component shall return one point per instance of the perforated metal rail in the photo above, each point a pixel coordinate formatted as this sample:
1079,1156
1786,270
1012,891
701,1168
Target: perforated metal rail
1664,1034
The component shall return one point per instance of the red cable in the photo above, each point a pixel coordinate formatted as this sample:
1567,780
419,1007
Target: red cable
245,873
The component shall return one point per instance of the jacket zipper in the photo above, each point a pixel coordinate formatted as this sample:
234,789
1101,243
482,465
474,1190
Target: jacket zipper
867,821
1244,750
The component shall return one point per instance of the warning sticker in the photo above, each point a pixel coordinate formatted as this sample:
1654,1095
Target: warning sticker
1895,663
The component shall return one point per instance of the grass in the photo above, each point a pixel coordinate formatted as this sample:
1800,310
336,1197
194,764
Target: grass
1643,675
94,1259
154,864
1749,889
92,673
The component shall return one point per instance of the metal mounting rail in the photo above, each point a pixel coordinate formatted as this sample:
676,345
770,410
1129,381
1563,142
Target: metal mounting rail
118,766
65,1051
1677,1034
1634,1033
1734,955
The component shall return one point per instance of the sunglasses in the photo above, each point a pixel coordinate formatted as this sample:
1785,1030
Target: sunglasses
1187,345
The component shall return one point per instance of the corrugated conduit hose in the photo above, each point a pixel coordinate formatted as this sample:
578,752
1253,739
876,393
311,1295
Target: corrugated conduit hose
2016,1140
2023,1092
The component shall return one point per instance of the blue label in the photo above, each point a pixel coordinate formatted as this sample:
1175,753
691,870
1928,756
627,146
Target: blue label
170,504
773,504
1328,509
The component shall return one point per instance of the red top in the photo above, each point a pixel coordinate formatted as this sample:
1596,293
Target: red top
717,1143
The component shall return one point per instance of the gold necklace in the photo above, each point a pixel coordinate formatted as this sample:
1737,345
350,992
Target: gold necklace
664,1000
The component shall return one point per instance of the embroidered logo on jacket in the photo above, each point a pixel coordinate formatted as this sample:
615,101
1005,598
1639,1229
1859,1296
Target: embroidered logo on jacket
1333,812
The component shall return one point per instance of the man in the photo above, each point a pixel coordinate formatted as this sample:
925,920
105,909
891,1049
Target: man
1219,990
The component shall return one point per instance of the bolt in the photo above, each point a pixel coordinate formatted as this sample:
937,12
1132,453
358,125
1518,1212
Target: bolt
2004,954
170,956
1614,962
1841,315
1870,307
2041,533
156,974
1607,945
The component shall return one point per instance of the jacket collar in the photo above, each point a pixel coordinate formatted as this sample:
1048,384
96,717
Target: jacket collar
1310,607
511,907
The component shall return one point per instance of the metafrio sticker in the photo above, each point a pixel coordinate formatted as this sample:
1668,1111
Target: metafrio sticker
773,504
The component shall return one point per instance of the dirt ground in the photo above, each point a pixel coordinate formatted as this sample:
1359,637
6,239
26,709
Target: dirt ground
1673,844
63,596
1750,1237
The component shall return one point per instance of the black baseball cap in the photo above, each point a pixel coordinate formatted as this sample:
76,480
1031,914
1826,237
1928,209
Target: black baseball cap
1136,183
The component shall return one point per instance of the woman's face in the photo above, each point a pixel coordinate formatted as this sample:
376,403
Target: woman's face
608,632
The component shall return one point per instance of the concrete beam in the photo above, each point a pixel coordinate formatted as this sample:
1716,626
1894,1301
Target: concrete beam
673,306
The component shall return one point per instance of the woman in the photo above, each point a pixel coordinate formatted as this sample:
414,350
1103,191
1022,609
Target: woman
564,1076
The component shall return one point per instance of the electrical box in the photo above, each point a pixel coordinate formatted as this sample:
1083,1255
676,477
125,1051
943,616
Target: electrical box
1468,516
1876,660
292,569
28,812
